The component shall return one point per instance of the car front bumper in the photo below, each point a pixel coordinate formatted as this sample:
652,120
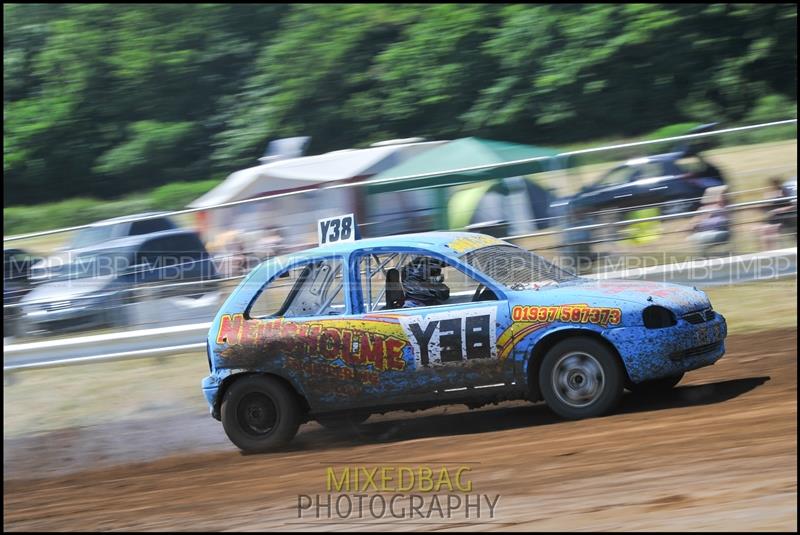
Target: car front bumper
656,353
211,385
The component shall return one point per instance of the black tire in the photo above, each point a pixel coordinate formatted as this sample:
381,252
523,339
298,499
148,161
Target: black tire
260,414
347,421
581,378
656,386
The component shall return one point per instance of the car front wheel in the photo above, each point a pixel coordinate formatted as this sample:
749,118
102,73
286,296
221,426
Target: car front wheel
581,378
260,414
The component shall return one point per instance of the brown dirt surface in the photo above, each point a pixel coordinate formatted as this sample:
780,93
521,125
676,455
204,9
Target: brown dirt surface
719,453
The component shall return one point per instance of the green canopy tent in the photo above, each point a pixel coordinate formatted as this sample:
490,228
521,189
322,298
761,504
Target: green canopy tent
446,165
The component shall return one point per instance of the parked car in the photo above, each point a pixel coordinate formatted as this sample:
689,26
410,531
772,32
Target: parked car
661,178
674,182
95,287
98,233
329,334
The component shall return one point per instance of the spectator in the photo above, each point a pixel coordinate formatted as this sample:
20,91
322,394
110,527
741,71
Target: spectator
780,215
229,251
268,244
711,226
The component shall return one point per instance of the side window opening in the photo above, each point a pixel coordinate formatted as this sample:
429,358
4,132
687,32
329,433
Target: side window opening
696,166
160,252
374,270
617,176
312,289
385,284
649,170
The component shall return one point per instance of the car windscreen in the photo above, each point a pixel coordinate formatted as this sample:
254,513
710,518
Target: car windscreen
92,236
515,268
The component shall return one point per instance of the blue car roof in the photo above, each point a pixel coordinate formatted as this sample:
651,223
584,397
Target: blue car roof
446,243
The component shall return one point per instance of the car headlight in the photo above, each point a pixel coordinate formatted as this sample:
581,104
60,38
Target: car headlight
657,317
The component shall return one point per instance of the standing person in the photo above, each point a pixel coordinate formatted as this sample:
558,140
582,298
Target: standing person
268,244
780,215
229,253
711,227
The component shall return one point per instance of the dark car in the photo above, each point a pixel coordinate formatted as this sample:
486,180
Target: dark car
94,288
674,182
677,178
98,233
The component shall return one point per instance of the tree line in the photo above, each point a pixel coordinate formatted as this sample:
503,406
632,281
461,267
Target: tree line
104,99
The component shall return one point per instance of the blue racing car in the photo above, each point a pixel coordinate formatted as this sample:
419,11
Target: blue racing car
348,329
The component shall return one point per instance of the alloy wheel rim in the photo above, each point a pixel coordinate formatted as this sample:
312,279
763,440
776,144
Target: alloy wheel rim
578,379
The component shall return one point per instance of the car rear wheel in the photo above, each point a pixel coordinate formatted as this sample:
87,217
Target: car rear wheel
581,378
656,386
260,414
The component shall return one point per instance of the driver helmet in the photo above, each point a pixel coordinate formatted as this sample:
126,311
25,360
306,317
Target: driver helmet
423,281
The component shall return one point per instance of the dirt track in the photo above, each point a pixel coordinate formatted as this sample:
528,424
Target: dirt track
717,453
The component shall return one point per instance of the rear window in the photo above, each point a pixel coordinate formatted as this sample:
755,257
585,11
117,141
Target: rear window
148,226
515,268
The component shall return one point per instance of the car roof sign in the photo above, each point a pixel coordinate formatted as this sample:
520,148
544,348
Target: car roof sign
341,228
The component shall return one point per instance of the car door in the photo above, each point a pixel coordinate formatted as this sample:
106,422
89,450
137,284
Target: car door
193,264
299,326
154,259
448,349
653,184
614,189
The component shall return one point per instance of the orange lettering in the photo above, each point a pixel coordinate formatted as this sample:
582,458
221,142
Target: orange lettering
394,352
372,353
230,329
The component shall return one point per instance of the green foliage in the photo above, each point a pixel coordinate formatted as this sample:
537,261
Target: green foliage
767,108
178,194
104,99
148,144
